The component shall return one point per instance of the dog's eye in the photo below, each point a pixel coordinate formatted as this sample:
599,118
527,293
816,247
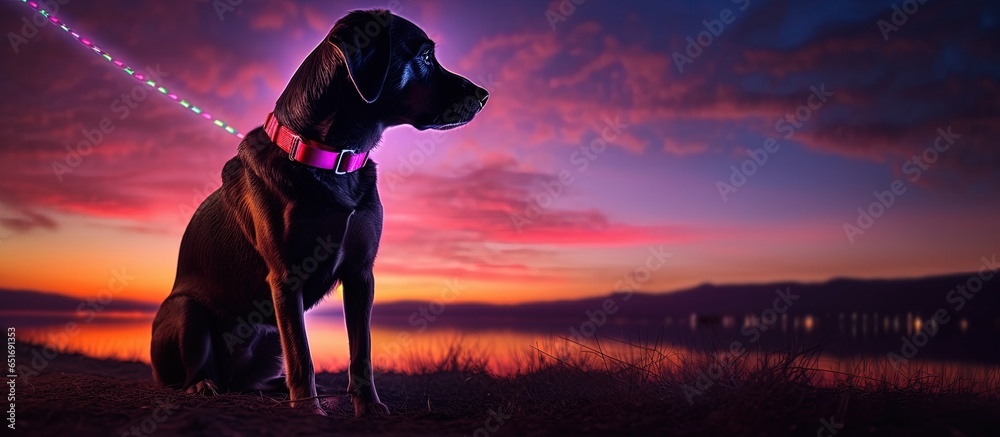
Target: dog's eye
426,55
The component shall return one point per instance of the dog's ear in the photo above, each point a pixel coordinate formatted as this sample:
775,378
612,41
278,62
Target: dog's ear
364,40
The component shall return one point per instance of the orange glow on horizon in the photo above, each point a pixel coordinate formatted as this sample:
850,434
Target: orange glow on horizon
100,253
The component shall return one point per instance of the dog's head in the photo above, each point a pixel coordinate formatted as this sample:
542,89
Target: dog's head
377,66
391,64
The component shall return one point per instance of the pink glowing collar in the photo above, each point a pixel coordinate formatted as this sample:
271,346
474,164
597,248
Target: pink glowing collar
309,153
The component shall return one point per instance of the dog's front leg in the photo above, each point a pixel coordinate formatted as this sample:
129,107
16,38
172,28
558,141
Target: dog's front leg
282,244
299,372
359,292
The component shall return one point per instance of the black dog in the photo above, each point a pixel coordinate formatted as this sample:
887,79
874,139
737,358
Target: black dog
298,212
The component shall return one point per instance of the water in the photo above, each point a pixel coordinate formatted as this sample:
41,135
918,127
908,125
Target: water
852,343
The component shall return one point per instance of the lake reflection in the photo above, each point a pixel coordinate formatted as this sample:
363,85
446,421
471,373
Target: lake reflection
506,345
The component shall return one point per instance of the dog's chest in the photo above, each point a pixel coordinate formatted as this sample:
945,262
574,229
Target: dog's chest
315,251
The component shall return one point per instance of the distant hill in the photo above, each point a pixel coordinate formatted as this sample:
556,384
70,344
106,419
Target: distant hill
921,295
25,300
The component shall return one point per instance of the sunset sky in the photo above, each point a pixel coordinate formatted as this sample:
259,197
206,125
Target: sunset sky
557,83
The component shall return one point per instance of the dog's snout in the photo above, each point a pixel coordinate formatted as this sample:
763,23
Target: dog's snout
483,97
473,91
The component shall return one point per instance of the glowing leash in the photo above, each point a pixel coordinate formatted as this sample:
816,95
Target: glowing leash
132,72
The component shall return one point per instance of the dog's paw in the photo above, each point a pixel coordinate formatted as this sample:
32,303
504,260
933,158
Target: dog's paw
372,409
317,410
312,405
204,387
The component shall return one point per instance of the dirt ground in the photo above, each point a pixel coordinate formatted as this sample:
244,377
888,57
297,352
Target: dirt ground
80,396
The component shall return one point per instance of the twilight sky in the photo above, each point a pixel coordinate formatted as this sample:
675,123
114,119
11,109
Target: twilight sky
608,135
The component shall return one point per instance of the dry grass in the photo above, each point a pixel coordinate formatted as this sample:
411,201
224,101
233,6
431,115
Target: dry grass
648,386
604,387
